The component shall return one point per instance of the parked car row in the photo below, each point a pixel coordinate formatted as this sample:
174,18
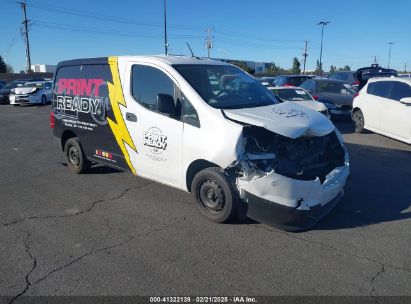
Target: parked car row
336,92
21,92
336,95
284,80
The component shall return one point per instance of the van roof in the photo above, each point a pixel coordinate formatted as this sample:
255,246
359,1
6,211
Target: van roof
167,59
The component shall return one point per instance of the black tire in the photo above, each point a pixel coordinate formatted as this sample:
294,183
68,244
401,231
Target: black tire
76,159
215,195
43,100
358,119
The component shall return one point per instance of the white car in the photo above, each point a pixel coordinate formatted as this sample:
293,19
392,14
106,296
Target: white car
38,92
301,97
384,106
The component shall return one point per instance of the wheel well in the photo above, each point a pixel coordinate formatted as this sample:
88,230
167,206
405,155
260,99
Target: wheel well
65,137
195,167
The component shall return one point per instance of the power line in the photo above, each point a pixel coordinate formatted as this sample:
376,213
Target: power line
104,31
255,45
10,45
110,18
226,32
93,15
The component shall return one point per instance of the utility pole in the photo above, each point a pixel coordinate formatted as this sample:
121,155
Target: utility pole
389,54
405,67
322,23
165,29
209,41
305,54
375,59
26,35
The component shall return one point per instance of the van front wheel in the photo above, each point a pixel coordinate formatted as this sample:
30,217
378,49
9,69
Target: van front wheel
215,195
76,159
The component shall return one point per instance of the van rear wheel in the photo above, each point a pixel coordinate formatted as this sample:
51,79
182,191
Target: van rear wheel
76,159
215,195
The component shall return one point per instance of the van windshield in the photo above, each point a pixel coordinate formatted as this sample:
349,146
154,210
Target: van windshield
226,87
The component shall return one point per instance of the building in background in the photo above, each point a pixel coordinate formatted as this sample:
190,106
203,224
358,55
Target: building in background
43,68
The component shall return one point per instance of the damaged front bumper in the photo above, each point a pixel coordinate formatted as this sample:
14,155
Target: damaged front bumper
292,204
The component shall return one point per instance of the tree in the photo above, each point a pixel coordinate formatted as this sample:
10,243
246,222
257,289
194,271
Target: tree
243,66
296,66
346,68
333,69
9,69
273,68
3,66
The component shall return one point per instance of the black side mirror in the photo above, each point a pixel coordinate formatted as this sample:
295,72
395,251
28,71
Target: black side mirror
166,105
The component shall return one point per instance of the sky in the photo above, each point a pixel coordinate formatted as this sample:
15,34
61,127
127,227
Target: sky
258,30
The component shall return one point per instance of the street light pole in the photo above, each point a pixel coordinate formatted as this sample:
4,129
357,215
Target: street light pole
322,23
389,54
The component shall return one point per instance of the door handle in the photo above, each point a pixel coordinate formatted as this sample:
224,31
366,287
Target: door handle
131,117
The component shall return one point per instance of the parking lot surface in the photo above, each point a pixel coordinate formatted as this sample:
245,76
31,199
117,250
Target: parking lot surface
110,233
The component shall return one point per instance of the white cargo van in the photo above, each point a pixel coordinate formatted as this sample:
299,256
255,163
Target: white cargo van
205,127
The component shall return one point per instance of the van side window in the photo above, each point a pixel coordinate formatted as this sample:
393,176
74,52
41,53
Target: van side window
147,83
189,113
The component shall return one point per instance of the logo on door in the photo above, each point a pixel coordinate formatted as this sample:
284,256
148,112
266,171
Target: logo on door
155,140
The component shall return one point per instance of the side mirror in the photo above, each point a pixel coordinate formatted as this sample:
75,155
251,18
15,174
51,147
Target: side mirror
166,105
406,100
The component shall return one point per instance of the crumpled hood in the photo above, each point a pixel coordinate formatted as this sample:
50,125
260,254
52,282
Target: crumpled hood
287,119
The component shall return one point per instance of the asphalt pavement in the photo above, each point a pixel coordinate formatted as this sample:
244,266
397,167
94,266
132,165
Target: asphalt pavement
111,233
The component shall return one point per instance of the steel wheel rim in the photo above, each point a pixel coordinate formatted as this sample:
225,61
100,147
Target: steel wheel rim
74,156
211,196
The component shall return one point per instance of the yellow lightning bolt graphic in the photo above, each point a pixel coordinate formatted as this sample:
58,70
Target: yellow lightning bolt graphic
119,128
